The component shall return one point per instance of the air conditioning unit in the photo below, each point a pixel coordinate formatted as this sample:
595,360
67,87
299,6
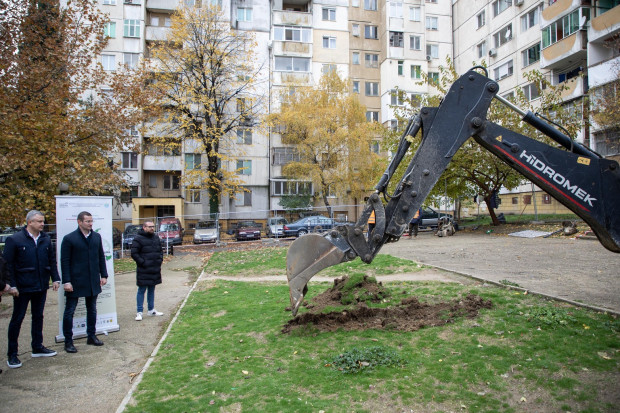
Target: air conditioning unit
428,57
518,2
492,52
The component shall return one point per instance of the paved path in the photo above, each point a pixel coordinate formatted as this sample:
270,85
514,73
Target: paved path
571,269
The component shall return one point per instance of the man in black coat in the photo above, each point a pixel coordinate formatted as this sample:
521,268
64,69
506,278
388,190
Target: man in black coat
84,272
147,253
30,264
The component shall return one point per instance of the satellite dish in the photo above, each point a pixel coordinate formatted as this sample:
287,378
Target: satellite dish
507,34
582,21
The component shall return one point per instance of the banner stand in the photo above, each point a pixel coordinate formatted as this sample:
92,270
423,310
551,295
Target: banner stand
67,209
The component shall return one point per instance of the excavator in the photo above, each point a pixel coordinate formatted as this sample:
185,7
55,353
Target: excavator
576,176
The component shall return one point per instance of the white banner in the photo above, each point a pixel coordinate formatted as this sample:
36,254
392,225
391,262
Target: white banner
67,210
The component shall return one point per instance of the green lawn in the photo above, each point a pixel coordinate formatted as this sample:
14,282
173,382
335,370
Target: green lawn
226,352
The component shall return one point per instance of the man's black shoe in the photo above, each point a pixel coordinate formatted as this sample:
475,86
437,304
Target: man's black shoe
43,352
70,348
13,362
94,341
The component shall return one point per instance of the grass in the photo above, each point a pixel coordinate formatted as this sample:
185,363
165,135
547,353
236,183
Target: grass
273,261
226,352
124,265
519,219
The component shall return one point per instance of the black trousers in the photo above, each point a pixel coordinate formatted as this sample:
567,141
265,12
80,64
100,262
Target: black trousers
20,306
91,317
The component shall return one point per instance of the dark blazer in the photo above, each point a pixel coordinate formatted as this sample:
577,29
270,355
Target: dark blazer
147,253
82,263
29,266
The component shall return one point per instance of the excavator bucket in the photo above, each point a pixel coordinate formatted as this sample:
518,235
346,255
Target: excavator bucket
307,256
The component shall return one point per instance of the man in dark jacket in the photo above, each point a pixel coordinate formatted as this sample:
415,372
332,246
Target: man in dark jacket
147,253
30,264
84,272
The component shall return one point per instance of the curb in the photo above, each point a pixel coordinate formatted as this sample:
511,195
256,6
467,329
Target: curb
131,391
525,290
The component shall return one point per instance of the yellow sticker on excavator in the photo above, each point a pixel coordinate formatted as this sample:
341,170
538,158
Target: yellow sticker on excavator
583,161
499,138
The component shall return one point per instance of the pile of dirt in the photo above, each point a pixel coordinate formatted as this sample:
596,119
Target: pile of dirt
409,315
347,290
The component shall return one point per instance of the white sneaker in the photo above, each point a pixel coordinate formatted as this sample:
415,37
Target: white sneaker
154,312
139,317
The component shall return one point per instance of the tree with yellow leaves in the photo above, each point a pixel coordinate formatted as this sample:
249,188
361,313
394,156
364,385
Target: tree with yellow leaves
207,83
327,125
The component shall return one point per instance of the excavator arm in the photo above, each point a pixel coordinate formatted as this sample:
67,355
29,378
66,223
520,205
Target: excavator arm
576,176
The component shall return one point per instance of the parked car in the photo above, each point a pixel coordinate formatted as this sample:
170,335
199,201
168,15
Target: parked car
206,231
117,236
430,218
247,230
7,232
129,234
170,231
275,226
308,224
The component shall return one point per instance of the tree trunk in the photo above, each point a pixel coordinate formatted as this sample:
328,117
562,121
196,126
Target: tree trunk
487,200
326,202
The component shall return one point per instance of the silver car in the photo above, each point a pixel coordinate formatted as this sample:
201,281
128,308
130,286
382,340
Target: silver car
206,231
275,225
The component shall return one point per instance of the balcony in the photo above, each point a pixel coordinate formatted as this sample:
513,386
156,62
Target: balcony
575,88
156,33
605,25
281,48
282,78
565,52
557,10
292,18
161,163
166,6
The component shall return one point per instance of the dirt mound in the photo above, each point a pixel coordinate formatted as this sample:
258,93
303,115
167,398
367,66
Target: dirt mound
410,315
357,288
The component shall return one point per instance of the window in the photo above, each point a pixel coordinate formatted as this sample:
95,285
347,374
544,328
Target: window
371,60
356,86
109,30
500,5
415,14
527,199
416,100
431,23
370,32
564,27
131,59
515,200
396,98
328,67
291,188
292,33
154,20
171,182
130,160
243,199
244,167
607,142
396,9
329,14
503,71
431,1
370,4
355,29
372,88
433,76
401,63
108,61
432,50
284,155
396,39
244,14
531,55
192,161
244,136
531,91
292,64
127,196
155,148
329,42
481,19
136,2
109,2
482,49
374,147
414,43
546,198
416,72
372,116
152,181
503,36
192,195
530,19
355,58
131,28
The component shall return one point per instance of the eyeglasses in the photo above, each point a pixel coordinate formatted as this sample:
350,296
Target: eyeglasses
150,226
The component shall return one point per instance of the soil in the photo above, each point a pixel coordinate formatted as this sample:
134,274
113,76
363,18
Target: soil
410,315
